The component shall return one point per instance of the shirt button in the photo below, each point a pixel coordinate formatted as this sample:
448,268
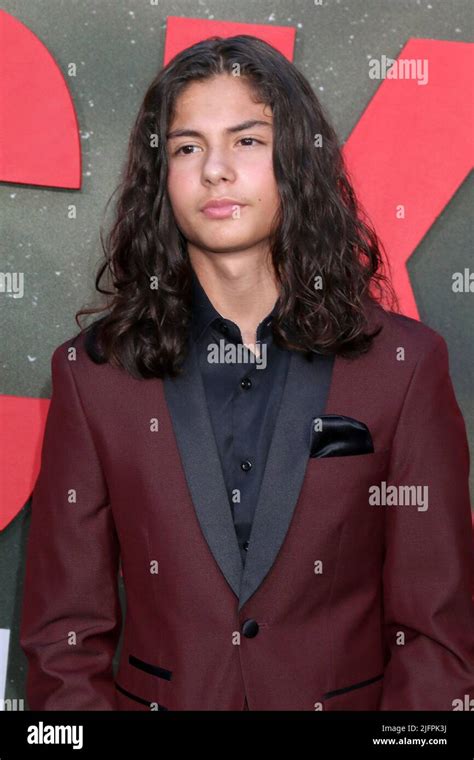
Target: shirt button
246,383
246,465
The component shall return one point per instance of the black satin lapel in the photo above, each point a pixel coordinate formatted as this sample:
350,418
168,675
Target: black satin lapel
192,425
304,397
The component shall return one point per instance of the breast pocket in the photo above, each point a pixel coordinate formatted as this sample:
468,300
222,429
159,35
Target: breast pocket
349,464
342,485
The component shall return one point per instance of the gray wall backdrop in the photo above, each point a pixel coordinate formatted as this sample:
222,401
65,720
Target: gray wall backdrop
118,47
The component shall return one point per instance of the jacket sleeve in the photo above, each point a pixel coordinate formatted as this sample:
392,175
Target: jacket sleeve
428,563
71,615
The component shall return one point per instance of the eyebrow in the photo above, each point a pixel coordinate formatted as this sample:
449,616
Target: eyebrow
230,130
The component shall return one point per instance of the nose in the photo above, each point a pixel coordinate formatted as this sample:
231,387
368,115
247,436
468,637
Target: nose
218,165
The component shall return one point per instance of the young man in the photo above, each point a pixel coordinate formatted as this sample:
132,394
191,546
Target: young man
279,463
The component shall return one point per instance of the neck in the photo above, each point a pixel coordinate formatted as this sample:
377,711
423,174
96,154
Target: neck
242,290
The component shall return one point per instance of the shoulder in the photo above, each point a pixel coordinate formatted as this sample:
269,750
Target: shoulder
78,355
416,338
76,346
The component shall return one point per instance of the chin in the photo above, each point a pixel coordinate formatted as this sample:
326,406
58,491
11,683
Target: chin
225,243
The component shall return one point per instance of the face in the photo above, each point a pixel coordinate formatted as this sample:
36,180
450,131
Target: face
215,152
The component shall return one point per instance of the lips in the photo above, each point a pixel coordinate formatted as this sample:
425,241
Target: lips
220,208
221,202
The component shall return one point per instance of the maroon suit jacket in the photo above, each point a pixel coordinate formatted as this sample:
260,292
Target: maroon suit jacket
341,604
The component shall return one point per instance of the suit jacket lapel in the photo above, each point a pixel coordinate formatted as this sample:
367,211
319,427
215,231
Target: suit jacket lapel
192,425
304,397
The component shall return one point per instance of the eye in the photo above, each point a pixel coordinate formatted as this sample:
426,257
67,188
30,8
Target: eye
177,152
254,139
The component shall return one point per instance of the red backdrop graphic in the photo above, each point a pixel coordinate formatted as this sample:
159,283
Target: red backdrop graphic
39,133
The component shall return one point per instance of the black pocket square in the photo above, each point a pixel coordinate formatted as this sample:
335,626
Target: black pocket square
333,435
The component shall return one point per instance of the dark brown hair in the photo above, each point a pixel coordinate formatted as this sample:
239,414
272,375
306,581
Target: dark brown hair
319,231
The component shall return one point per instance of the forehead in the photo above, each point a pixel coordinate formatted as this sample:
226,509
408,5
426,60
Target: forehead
220,100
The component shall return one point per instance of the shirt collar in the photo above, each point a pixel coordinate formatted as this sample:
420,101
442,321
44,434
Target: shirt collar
204,313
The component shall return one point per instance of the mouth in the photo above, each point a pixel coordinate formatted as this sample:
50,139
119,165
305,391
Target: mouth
223,211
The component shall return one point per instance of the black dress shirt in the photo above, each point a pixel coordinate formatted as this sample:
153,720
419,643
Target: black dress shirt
243,399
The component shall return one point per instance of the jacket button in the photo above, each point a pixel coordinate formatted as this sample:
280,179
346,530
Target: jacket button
246,465
246,383
246,546
250,628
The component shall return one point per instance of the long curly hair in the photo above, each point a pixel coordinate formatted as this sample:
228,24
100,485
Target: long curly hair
319,231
